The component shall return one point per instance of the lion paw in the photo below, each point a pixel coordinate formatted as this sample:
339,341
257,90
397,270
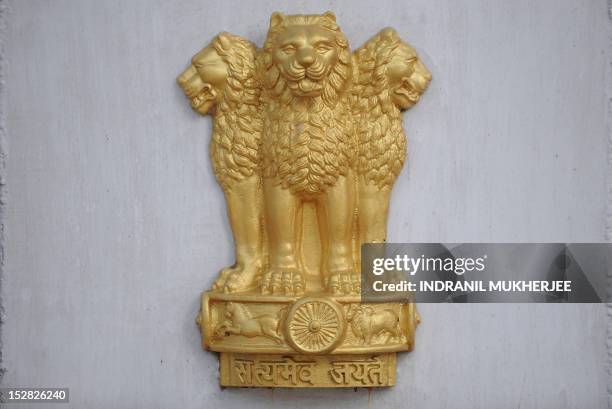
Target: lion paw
343,283
282,283
223,275
235,279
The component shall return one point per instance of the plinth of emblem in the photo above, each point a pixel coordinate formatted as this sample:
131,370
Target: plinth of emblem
315,325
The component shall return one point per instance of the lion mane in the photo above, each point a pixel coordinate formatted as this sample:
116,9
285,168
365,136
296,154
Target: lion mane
307,149
382,142
237,126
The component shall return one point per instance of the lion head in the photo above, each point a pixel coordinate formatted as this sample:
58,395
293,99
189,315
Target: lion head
306,56
391,70
221,74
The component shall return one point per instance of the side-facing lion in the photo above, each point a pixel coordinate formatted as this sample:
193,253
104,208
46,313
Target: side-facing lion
308,149
221,81
389,78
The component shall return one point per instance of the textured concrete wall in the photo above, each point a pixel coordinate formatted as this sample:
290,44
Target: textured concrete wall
114,223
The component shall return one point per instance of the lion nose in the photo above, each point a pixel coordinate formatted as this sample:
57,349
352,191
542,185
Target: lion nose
306,59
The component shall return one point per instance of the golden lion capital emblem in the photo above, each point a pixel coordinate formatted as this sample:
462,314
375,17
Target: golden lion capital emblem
307,143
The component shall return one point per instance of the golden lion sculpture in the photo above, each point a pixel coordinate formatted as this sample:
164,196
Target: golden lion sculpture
307,143
390,79
221,80
308,149
301,124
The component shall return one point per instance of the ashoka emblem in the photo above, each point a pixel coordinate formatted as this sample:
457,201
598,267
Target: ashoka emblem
315,325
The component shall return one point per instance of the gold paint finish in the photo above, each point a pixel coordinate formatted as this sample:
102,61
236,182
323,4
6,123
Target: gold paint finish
315,325
299,371
307,144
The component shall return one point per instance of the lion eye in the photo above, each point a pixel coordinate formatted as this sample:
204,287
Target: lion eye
323,48
288,49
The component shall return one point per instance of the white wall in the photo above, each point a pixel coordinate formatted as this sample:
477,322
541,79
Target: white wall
114,223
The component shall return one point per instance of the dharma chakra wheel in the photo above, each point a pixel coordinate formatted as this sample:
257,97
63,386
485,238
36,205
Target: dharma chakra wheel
315,325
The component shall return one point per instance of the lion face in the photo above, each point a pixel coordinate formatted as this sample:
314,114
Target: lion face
203,82
407,77
305,55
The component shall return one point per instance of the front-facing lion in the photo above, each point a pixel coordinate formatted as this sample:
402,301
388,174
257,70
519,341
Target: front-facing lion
308,148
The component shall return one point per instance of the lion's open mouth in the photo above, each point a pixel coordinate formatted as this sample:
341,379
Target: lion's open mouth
203,96
410,92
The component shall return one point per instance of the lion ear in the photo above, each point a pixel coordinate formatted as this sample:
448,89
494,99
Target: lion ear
389,32
330,16
275,19
224,40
